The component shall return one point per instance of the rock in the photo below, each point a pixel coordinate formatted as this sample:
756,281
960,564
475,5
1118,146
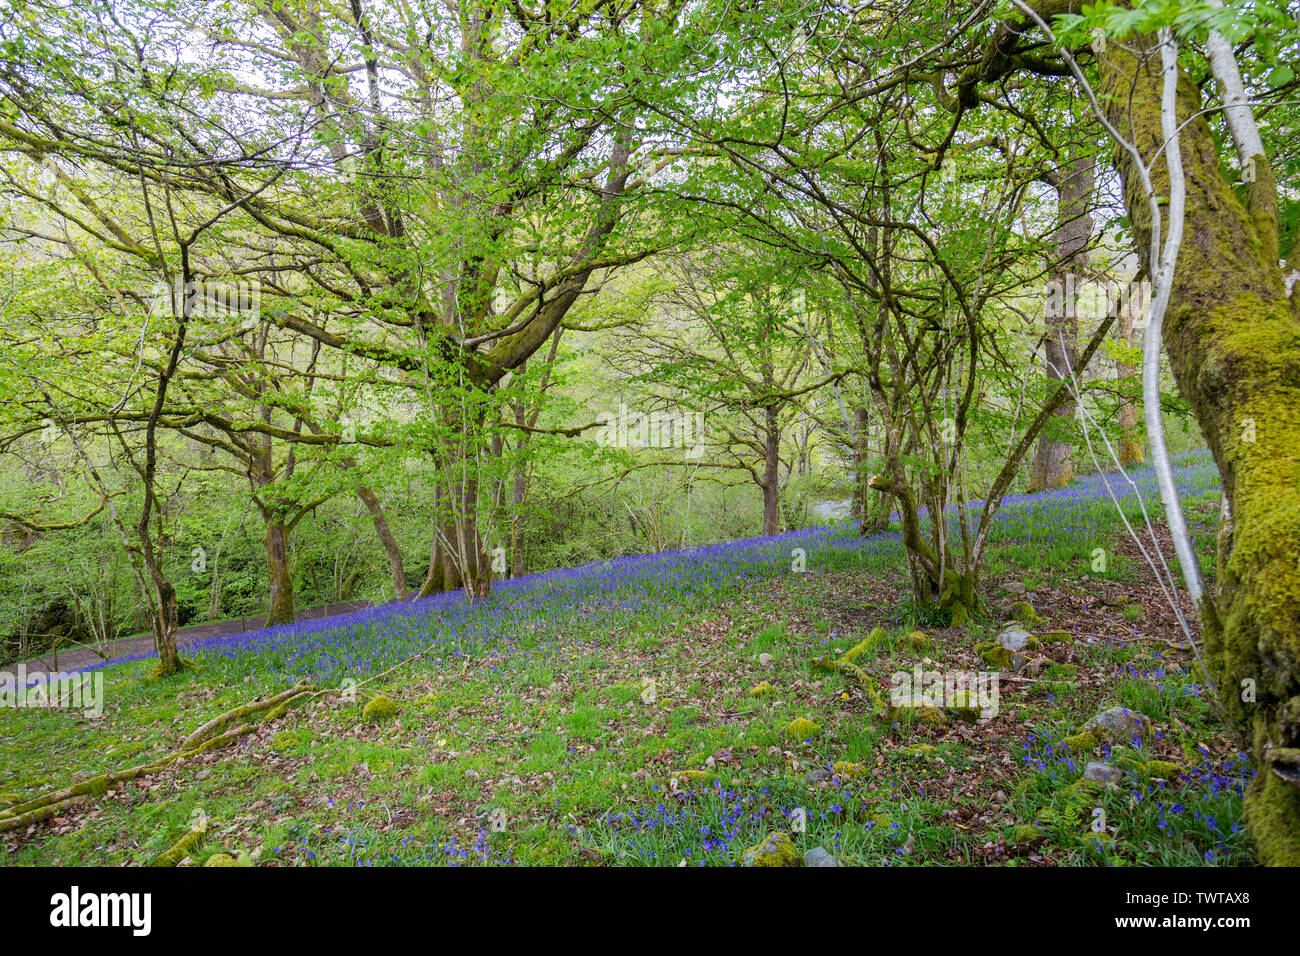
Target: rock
776,850
1014,587
1118,724
819,856
918,641
203,774
816,776
1014,638
761,689
765,660
379,707
220,859
801,728
1098,772
472,774
1023,612
846,770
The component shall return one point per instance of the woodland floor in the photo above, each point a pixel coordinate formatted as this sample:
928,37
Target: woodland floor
554,754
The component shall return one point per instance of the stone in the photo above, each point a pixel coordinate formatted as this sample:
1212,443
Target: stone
1098,772
765,660
1014,587
776,850
801,728
816,776
1118,723
819,856
1014,637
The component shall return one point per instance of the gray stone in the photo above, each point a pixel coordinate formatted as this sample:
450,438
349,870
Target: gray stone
1014,587
816,776
1119,723
819,856
1014,637
1099,772
765,659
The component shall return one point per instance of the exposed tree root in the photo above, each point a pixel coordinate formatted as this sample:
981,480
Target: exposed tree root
205,738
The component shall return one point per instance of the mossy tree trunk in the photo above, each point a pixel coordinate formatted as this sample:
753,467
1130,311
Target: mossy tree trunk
1234,346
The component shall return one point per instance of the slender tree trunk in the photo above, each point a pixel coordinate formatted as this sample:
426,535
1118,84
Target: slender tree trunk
1130,429
771,474
396,566
1234,347
1053,466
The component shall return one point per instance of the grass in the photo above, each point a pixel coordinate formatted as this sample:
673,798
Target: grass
604,717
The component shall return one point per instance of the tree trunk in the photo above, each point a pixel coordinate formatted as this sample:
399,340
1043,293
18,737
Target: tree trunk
1053,466
771,475
401,591
1234,346
276,542
1130,430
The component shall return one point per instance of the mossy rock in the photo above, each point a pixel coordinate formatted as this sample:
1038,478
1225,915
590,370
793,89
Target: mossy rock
801,728
777,850
220,859
380,707
960,616
1080,743
1163,769
994,654
969,714
919,750
761,689
694,776
847,770
918,641
1024,612
931,716
1056,637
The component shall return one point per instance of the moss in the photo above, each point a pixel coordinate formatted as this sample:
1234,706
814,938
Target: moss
846,770
1056,637
1033,644
183,847
1081,742
994,654
761,689
918,641
960,616
157,673
776,850
1164,769
864,646
931,716
1024,612
801,728
969,714
220,859
379,707
919,750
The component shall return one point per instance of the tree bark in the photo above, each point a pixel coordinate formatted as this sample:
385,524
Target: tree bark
771,483
1234,347
396,566
279,574
1053,466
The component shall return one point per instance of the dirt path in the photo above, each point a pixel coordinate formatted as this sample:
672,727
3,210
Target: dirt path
71,658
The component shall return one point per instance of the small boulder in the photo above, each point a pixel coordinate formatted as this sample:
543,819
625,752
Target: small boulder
801,728
1014,587
1023,612
819,856
1118,724
1098,772
761,689
1014,638
379,707
776,850
765,660
816,776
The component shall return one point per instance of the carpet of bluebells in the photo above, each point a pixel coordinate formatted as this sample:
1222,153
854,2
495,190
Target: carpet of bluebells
526,615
